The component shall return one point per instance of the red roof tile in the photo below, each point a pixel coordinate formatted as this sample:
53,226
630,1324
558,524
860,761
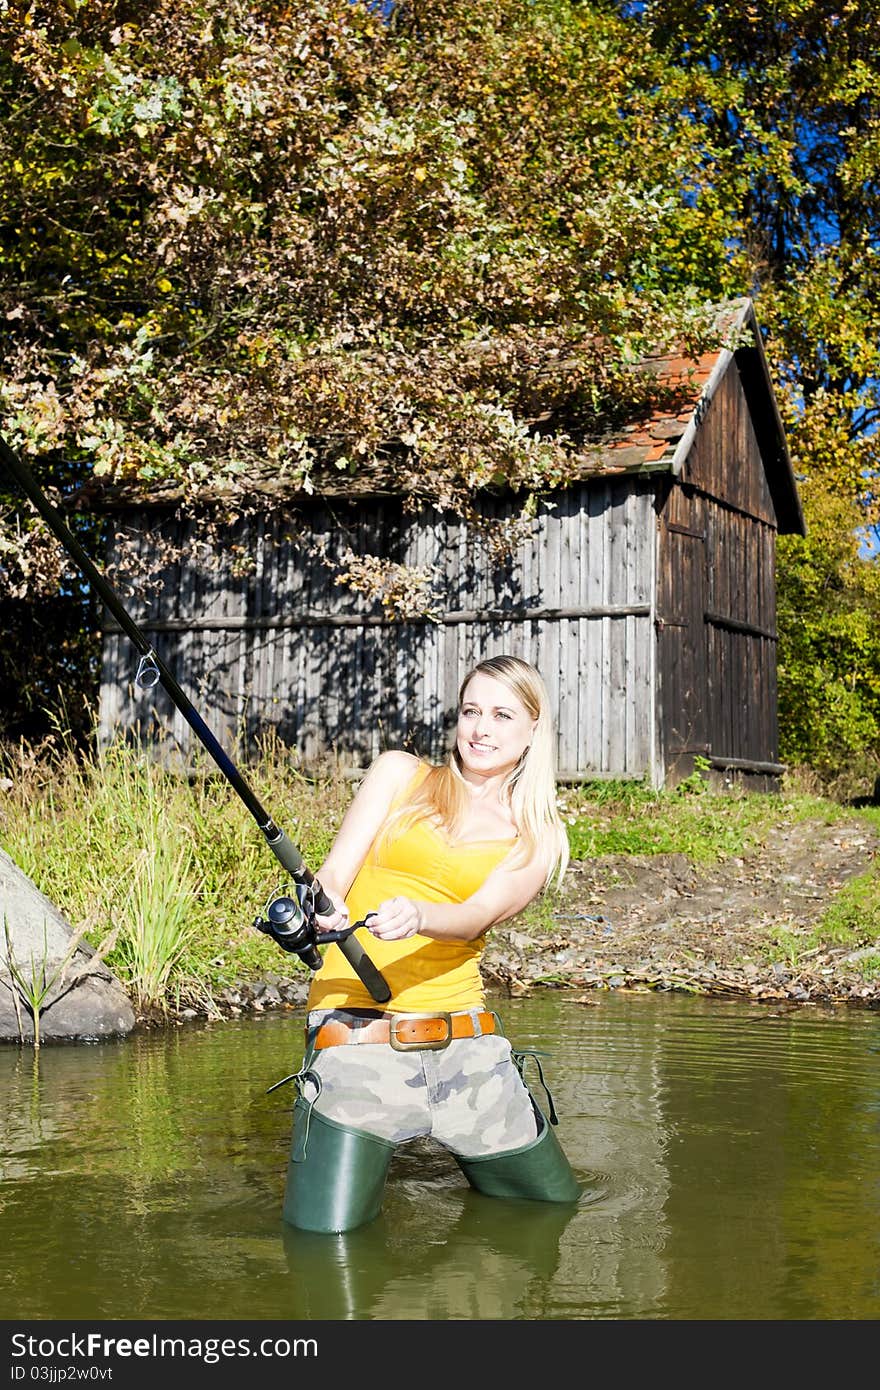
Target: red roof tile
650,441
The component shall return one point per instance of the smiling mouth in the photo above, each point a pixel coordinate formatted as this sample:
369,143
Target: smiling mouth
482,747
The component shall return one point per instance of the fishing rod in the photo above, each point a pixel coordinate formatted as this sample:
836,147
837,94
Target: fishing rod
291,920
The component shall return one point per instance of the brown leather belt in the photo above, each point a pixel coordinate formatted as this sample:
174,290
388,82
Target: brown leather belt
405,1032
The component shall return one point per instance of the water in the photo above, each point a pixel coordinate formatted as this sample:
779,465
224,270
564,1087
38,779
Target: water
729,1155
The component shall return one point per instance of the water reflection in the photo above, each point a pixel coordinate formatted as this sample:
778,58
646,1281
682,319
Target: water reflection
728,1155
446,1244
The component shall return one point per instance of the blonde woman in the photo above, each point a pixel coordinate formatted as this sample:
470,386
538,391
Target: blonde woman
431,857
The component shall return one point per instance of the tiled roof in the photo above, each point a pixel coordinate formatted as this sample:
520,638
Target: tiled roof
650,442
657,440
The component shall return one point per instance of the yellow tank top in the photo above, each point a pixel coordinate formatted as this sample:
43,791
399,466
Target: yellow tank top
424,975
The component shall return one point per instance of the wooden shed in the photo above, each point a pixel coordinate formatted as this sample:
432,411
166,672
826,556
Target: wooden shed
644,592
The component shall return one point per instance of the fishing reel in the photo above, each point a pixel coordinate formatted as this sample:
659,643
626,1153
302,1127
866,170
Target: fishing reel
291,922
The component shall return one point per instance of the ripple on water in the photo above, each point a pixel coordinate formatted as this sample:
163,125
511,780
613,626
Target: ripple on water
727,1153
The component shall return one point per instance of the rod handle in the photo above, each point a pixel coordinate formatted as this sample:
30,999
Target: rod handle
365,970
285,851
358,959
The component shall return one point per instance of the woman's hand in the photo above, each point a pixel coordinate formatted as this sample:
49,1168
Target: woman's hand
395,919
337,920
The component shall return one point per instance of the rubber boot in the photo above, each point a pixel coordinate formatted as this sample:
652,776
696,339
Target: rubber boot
336,1175
539,1170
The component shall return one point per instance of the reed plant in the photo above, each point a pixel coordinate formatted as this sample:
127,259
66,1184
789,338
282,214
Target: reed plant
157,918
170,857
40,982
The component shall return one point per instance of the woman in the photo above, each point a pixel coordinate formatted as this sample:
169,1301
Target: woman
431,858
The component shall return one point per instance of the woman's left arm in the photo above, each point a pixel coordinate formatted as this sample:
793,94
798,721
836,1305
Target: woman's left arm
504,893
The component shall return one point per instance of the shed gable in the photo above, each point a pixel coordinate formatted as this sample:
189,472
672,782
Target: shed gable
725,458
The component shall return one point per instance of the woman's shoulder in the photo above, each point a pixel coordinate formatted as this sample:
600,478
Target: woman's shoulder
395,768
396,761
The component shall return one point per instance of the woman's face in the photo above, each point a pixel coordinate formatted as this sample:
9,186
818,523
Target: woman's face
494,726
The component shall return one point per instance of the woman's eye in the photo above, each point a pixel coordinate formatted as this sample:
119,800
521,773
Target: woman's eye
502,714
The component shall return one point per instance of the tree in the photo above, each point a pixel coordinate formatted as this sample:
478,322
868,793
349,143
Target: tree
829,655
235,234
786,93
258,241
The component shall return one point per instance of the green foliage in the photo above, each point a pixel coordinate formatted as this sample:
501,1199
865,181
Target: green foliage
829,651
251,238
786,97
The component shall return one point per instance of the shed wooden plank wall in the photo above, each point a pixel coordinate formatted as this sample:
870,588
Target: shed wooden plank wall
286,647
741,637
718,591
725,459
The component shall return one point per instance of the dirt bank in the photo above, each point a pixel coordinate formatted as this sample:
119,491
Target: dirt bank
663,922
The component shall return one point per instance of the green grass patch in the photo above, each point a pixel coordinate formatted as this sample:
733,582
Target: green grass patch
690,819
176,862
851,922
855,911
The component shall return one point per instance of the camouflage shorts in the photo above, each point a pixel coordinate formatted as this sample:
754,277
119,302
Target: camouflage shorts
468,1096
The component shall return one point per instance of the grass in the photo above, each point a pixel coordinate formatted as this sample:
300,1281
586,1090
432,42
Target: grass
690,819
177,863
178,868
852,923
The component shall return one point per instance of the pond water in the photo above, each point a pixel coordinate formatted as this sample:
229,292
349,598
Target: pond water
729,1155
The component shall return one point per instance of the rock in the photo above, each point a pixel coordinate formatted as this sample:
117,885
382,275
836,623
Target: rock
86,1002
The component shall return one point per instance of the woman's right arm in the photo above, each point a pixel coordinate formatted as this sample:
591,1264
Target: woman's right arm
388,775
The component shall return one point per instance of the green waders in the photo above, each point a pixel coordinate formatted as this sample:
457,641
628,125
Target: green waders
336,1174
539,1170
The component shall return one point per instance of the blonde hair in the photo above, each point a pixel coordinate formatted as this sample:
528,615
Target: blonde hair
530,789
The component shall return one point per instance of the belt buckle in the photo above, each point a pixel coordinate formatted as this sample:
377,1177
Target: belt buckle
436,1045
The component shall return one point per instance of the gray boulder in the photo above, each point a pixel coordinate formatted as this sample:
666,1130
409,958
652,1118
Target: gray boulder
86,1002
